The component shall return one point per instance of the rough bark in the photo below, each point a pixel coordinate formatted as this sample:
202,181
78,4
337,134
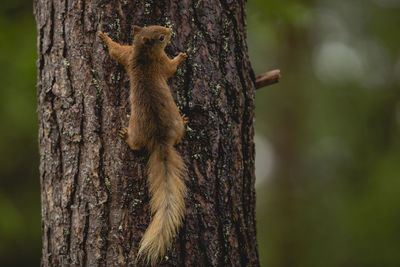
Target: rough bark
94,194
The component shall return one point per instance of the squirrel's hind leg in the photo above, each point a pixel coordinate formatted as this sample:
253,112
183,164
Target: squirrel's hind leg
179,130
130,136
129,139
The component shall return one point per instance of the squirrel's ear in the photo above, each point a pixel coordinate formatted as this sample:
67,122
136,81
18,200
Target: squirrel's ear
145,40
136,29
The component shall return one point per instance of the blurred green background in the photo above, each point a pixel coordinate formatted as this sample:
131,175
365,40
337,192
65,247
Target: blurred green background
327,136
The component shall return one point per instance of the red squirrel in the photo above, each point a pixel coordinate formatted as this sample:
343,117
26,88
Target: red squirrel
155,123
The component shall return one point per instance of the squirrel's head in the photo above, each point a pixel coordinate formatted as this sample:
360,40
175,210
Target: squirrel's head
152,38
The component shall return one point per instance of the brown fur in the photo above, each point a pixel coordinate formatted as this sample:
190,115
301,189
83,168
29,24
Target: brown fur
155,123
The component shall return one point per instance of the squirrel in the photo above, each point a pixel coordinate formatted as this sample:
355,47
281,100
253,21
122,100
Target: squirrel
155,124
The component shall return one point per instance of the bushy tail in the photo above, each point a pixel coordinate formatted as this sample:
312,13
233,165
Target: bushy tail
166,172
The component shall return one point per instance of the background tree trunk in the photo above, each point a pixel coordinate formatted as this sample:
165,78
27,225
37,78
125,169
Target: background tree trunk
94,194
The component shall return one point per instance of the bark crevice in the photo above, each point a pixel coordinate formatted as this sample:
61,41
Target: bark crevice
94,191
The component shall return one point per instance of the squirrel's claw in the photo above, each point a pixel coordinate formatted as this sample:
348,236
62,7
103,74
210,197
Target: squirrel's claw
102,35
185,119
123,133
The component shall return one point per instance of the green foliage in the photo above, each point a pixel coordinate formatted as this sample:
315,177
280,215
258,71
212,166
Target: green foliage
332,197
19,179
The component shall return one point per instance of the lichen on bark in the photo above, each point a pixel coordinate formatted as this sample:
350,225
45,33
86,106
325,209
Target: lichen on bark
94,193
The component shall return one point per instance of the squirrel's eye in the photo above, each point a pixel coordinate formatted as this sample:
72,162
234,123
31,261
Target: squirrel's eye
162,38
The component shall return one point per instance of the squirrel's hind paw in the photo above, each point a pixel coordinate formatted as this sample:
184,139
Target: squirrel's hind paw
185,119
123,133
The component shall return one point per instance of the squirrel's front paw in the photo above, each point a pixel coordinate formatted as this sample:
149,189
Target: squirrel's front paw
183,56
102,35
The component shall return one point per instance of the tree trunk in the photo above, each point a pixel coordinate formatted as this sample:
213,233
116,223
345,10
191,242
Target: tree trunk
94,195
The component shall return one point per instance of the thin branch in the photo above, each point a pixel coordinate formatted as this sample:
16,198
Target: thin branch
268,78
